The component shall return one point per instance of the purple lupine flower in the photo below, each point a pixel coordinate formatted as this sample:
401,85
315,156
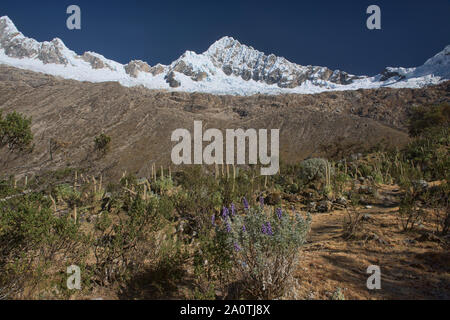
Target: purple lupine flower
233,210
244,228
213,220
236,247
225,213
269,229
279,213
263,229
228,227
246,206
261,201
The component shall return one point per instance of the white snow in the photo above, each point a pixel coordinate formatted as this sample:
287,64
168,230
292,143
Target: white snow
226,51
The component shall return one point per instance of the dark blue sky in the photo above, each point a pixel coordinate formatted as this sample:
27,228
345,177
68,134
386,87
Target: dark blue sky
316,32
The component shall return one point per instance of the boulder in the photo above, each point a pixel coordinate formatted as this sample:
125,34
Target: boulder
325,206
170,79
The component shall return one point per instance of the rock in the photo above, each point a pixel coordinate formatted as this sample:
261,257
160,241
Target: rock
310,194
312,207
170,79
342,201
158,69
93,218
242,113
390,73
200,76
95,60
325,206
368,190
375,237
135,67
51,52
420,184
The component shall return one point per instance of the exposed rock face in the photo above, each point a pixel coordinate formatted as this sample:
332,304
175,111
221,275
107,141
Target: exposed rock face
158,69
136,66
18,46
240,60
51,52
191,64
200,76
170,79
389,73
95,61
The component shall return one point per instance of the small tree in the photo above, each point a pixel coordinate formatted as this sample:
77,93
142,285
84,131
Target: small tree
15,132
102,143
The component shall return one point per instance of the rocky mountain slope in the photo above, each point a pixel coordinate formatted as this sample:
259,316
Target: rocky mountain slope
68,114
227,67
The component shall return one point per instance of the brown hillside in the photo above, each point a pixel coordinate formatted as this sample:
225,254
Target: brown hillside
140,121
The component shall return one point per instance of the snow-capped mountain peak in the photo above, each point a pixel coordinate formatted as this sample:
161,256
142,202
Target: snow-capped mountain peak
7,26
226,67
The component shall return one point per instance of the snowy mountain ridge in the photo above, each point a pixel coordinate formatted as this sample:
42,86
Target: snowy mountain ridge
227,67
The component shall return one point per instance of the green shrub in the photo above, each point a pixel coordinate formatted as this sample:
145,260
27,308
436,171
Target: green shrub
121,239
425,117
33,242
102,143
438,200
212,261
314,170
162,185
15,132
430,152
198,198
411,213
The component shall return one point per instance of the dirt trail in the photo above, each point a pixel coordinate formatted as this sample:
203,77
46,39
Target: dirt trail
410,268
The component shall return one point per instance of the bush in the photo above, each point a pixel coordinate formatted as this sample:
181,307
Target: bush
265,249
198,198
314,170
102,143
430,152
119,240
438,201
212,261
425,117
32,241
15,132
411,213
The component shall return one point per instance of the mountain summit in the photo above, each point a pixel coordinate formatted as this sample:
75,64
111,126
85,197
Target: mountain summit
227,67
